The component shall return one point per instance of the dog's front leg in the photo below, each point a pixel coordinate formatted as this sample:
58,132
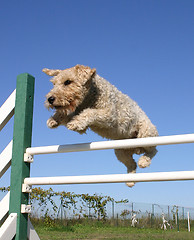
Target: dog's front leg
59,118
89,117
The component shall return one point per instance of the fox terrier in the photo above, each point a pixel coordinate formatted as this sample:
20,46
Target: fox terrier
82,99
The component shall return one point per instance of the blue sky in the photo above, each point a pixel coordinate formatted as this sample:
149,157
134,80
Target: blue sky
144,48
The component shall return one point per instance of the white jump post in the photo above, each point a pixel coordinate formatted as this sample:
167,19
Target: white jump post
188,222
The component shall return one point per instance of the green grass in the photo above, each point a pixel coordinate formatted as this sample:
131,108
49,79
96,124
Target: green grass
101,231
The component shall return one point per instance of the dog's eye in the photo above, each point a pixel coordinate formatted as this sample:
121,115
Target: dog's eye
67,82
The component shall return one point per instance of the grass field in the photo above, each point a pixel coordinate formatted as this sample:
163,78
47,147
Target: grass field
100,231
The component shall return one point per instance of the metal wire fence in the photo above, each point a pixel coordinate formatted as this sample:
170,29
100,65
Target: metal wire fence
151,215
124,213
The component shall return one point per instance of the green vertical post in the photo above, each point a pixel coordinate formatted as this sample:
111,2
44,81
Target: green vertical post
177,219
21,140
183,214
113,209
168,213
152,216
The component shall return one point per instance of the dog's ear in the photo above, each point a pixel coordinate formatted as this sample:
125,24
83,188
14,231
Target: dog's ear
85,73
51,72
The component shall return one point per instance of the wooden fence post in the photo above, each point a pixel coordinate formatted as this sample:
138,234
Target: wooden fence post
21,140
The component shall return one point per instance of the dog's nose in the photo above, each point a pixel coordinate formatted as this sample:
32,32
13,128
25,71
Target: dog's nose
51,99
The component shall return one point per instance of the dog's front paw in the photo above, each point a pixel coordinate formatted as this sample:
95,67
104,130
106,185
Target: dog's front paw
52,123
144,161
76,126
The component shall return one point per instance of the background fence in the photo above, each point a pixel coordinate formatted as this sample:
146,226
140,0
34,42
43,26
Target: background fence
68,207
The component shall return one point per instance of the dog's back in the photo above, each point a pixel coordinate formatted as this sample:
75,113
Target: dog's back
127,118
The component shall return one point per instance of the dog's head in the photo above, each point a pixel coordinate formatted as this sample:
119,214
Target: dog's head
70,86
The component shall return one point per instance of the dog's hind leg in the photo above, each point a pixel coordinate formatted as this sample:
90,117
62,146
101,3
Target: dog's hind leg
145,160
126,157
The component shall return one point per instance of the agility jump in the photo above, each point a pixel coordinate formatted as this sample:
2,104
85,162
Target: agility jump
19,155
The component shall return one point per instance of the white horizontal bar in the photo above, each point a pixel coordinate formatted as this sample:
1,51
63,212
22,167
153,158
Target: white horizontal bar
8,229
5,159
113,178
4,207
113,144
7,110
